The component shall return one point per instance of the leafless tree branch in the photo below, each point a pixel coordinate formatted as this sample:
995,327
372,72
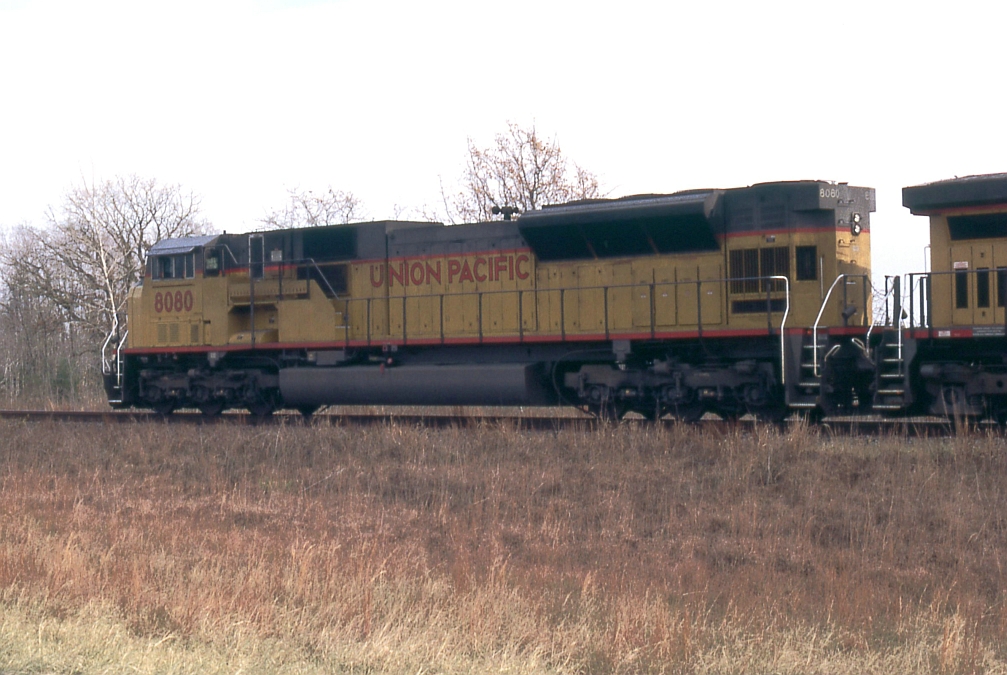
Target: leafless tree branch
308,209
519,170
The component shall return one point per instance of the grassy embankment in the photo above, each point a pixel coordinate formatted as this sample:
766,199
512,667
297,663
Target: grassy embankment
157,548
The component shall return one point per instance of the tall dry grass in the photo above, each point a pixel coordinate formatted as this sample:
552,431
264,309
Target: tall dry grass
395,549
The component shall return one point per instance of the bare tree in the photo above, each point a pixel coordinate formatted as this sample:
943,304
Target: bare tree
92,251
520,170
307,209
34,336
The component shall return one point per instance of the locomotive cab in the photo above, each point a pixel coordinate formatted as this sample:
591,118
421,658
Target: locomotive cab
170,300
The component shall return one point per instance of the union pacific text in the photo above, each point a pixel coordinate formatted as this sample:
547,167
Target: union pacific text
507,267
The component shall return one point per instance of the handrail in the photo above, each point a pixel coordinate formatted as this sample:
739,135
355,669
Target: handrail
319,270
106,367
323,277
118,360
783,323
898,321
303,262
925,280
651,286
874,321
230,252
646,284
818,319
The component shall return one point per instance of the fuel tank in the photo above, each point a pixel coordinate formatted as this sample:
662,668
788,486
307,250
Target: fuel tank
465,384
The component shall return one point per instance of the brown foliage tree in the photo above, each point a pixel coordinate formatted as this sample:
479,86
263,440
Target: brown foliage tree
520,170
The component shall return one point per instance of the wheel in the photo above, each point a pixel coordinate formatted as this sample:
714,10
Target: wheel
770,414
955,402
652,412
164,407
602,405
610,411
307,411
837,400
690,413
261,409
211,408
729,413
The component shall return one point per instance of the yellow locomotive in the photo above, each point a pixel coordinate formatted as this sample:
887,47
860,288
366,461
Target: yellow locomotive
741,300
952,316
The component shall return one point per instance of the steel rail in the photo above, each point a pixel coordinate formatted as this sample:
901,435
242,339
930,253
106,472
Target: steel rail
868,426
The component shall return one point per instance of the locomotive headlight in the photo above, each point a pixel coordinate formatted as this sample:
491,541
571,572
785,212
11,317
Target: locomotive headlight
855,226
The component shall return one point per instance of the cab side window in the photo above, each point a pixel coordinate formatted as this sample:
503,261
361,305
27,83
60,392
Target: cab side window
165,268
211,264
807,263
175,266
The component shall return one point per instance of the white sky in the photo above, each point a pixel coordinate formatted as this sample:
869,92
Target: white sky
240,100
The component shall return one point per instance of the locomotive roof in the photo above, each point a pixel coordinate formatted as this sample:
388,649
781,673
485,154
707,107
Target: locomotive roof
981,190
693,202
644,224
799,195
685,221
181,245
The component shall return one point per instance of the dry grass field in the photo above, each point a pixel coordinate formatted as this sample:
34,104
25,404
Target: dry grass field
156,548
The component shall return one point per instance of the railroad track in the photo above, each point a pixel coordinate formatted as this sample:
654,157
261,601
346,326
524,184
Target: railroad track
241,418
913,426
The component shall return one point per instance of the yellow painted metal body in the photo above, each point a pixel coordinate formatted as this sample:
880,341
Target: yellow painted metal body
501,296
969,277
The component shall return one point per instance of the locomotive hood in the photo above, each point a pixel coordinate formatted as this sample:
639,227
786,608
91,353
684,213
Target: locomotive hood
637,225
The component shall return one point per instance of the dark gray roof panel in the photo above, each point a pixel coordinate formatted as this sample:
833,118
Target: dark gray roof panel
689,221
628,226
611,211
983,190
325,243
456,239
181,245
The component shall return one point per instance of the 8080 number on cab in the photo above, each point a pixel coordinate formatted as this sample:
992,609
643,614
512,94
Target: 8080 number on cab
176,302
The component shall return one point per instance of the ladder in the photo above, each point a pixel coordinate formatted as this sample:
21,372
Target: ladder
809,381
892,372
111,368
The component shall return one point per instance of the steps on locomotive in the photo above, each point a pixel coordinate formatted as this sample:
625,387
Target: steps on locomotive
112,374
892,374
809,381
113,386
811,373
